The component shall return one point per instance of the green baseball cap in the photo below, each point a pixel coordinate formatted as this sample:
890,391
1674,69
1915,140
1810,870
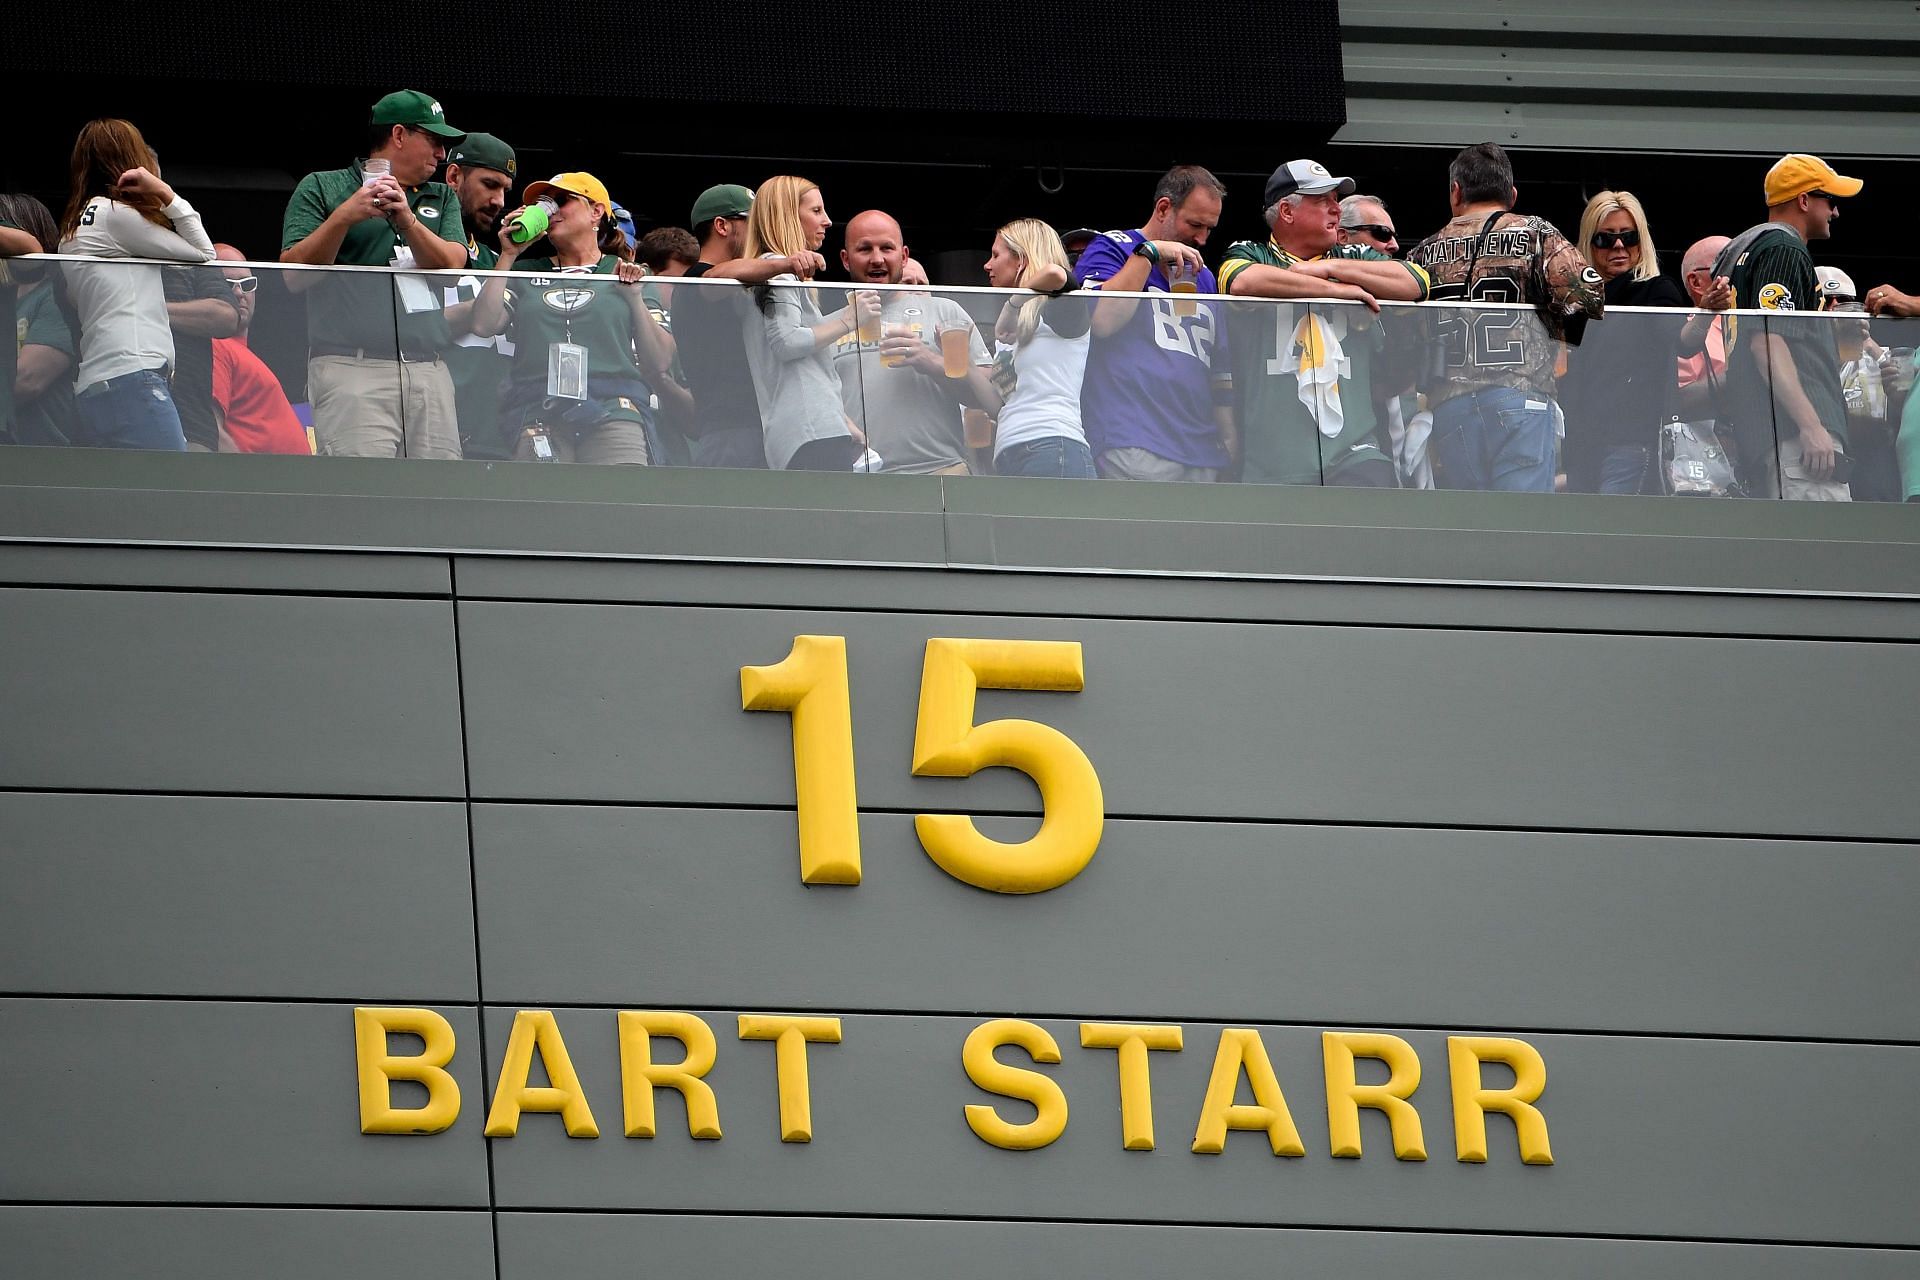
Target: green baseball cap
484,151
410,106
724,201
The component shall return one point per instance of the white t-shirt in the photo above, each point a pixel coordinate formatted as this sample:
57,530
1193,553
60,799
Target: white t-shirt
1046,395
123,306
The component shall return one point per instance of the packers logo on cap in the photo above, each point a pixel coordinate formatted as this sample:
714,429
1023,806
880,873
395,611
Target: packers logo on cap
1776,297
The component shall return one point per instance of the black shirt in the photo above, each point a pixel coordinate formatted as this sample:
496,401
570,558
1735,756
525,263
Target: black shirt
192,355
707,323
1622,380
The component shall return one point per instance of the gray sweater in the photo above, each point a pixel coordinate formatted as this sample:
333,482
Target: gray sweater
797,386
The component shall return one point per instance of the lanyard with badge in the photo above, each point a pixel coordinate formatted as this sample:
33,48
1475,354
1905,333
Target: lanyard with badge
566,359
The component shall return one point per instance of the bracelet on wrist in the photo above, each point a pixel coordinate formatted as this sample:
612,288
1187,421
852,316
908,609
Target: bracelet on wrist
1148,250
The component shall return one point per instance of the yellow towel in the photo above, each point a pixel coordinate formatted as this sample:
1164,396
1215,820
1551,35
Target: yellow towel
1322,364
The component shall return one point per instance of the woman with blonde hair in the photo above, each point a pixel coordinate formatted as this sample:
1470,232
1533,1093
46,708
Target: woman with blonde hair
118,207
1621,384
789,343
1041,346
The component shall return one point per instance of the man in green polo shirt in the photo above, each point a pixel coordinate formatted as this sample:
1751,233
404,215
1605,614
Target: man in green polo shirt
481,170
375,340
1302,375
1783,371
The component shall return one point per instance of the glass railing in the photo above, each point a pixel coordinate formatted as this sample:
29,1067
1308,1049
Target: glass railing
557,367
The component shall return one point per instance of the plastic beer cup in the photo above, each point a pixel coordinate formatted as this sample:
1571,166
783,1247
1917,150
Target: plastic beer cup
889,359
870,327
1184,287
953,350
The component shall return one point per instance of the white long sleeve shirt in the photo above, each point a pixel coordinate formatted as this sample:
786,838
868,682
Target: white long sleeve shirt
123,306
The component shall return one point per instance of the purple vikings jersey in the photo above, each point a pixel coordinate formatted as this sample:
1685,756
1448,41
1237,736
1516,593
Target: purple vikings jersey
1150,385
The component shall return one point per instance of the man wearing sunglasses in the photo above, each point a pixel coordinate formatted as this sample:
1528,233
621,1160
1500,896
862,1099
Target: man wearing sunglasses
249,404
1783,371
1364,221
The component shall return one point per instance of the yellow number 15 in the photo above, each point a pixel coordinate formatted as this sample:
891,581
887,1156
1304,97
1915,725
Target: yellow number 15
811,683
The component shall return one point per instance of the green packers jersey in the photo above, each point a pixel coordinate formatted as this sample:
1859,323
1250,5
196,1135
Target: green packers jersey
580,305
1771,270
1284,441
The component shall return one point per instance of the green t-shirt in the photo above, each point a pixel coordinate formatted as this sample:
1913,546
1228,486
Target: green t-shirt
47,419
1771,270
1281,437
381,314
577,305
479,369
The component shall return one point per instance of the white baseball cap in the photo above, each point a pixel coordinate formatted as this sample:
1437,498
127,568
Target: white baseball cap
1835,283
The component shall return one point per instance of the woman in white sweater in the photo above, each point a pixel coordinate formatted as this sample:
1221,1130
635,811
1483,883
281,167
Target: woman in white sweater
789,344
119,208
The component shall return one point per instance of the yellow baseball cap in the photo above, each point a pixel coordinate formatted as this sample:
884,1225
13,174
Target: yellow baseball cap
1796,174
584,185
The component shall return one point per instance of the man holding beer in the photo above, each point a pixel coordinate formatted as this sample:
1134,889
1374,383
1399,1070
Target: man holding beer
375,372
905,379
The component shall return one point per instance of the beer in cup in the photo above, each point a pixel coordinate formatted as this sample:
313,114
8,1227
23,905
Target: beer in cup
953,350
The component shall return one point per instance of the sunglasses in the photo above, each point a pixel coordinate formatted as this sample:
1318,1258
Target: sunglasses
1374,229
1608,239
245,284
1821,195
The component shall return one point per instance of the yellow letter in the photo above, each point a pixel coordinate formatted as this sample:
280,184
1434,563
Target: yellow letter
536,1029
1136,1087
811,682
1471,1101
790,1037
1241,1050
1345,1095
640,1075
1015,1082
378,1069
947,743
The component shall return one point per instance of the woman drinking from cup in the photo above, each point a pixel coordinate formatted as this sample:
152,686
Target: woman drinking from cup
584,346
1041,348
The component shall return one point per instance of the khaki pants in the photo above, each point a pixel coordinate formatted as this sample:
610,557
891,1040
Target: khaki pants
1796,486
615,441
370,408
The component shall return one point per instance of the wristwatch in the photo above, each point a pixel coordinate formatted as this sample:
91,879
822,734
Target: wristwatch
1146,250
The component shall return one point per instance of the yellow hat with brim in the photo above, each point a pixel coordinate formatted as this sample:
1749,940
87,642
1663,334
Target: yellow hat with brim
584,185
1797,174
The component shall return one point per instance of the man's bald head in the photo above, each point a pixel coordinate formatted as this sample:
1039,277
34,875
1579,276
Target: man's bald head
1696,267
876,251
243,292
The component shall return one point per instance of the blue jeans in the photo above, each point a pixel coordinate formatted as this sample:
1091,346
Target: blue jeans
1493,439
132,411
1627,468
1059,457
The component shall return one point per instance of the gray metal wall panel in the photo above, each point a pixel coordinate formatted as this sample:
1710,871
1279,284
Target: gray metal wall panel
565,1246
1653,1136
224,570
198,1101
253,898
49,1241
1050,594
1324,924
1226,720
142,691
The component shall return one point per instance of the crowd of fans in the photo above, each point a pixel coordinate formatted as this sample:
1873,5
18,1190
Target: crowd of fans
1117,354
